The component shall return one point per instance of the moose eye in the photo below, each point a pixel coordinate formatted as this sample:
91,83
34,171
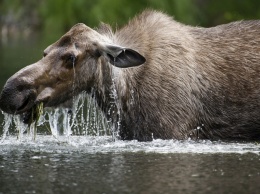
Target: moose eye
70,60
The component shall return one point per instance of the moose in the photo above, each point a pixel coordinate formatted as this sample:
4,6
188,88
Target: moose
158,77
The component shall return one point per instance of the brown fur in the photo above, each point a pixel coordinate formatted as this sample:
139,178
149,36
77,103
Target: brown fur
195,83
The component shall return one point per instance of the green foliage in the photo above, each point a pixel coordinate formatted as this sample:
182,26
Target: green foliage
54,17
214,12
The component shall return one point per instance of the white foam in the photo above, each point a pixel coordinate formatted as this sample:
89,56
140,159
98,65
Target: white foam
105,144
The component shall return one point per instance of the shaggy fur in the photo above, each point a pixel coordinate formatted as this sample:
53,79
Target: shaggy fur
195,82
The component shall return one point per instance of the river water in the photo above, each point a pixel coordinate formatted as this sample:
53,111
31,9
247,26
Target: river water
84,164
98,163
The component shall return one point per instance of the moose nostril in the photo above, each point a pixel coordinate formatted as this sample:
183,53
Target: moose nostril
14,100
19,92
21,88
28,97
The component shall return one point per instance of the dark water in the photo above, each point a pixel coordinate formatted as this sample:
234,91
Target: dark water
99,165
79,172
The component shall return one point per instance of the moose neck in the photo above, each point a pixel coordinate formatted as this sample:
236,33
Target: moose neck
104,91
116,97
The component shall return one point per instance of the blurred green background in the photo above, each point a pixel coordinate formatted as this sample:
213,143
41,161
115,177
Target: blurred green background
54,17
29,26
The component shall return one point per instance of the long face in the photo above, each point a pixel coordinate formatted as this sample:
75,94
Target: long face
68,67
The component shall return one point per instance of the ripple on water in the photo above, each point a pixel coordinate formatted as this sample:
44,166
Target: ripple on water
105,144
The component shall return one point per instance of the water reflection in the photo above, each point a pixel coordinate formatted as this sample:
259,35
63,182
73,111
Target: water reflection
42,172
100,165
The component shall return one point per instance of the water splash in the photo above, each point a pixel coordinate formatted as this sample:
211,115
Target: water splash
76,130
21,127
105,144
6,125
83,118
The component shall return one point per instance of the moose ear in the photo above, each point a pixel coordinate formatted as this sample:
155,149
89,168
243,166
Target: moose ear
123,57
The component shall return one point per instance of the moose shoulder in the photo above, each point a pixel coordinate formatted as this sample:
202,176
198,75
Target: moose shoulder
159,78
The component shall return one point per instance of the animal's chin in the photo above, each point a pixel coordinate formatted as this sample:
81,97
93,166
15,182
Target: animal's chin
26,113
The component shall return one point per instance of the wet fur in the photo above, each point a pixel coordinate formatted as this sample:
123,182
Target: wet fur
196,82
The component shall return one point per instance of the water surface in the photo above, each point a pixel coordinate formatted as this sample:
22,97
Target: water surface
81,164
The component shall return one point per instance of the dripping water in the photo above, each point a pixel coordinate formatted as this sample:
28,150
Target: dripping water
115,127
12,123
84,118
6,125
21,127
74,80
